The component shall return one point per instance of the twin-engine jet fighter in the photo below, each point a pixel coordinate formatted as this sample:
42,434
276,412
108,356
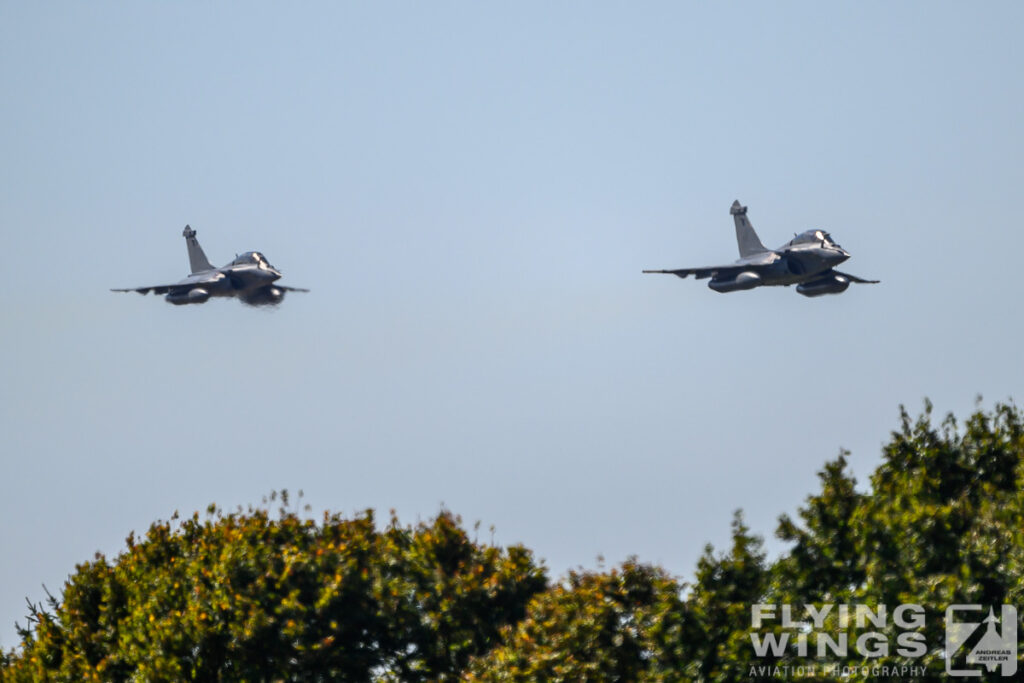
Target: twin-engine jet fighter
250,277
807,261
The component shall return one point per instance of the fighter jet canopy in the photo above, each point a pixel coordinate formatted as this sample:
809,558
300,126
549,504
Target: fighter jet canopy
251,258
814,237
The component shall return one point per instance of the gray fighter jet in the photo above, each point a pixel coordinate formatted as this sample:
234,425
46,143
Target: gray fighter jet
807,261
250,277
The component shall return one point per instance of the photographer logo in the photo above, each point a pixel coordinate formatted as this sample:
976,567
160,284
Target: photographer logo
966,653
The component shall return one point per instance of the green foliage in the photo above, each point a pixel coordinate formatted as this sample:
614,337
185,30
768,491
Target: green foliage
247,597
824,557
726,588
623,625
943,524
633,624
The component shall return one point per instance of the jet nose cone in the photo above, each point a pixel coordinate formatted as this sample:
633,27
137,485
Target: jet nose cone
840,255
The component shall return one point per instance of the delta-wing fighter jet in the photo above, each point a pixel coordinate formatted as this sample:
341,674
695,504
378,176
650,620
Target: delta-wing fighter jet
250,277
807,261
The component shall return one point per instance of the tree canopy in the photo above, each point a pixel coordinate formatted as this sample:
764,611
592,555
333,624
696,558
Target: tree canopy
245,596
252,596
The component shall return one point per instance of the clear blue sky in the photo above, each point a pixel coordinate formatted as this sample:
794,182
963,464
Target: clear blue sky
471,191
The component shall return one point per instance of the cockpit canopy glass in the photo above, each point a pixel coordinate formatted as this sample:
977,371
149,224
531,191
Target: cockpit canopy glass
251,258
829,242
814,237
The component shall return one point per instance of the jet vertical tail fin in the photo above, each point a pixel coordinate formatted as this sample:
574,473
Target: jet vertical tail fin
196,258
746,238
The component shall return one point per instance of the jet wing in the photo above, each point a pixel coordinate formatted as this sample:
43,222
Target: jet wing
701,273
854,278
291,289
156,289
753,263
189,282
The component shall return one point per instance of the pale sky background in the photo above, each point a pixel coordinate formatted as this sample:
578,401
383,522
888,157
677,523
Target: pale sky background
471,191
